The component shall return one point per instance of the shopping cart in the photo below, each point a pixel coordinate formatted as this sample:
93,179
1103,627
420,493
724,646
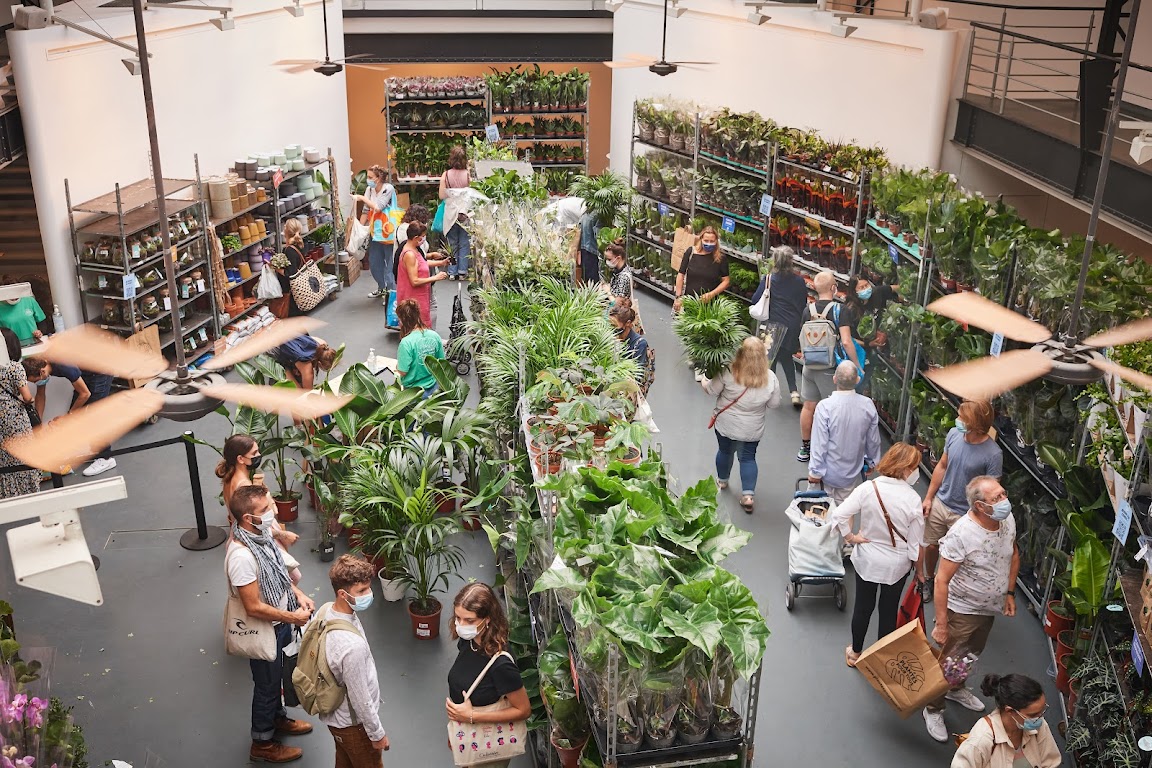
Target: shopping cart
459,356
815,548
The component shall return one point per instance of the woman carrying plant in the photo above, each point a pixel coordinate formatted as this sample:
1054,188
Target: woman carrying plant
868,301
417,341
378,198
481,631
744,393
456,211
788,298
703,269
15,397
294,252
623,319
888,544
302,356
415,281
1016,733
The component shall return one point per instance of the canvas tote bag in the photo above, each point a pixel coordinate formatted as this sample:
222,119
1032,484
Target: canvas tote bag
476,743
244,635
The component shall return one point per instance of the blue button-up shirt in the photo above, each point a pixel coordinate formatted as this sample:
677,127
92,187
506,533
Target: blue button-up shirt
845,433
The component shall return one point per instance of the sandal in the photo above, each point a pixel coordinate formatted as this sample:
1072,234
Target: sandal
722,484
746,503
850,656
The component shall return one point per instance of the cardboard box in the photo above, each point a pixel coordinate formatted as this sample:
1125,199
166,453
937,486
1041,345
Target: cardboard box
903,669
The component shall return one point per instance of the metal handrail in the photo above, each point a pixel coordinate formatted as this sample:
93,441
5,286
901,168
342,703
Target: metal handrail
1062,46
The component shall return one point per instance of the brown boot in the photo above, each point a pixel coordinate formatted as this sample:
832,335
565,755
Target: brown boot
290,727
273,752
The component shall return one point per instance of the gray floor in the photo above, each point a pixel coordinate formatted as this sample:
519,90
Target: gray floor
150,681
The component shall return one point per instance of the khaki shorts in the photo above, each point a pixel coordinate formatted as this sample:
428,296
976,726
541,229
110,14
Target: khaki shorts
939,521
966,634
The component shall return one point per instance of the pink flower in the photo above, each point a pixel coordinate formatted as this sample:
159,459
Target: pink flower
24,762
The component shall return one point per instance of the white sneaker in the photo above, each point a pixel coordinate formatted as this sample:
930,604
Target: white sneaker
935,724
98,466
376,294
965,698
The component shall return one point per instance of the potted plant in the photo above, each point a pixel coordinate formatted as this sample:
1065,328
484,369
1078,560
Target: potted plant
660,697
695,713
570,726
373,502
625,440
726,721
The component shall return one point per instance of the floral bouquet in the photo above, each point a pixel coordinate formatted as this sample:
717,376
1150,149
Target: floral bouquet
35,733
957,669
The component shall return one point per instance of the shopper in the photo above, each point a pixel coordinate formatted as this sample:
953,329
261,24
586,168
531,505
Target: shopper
703,269
744,393
294,251
415,281
969,451
623,319
481,631
15,397
256,570
23,316
976,580
888,542
378,198
417,341
39,371
355,724
871,299
618,282
845,436
456,210
417,213
816,383
1016,733
302,357
786,305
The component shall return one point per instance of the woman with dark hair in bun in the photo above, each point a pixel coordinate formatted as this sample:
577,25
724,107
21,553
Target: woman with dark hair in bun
1015,735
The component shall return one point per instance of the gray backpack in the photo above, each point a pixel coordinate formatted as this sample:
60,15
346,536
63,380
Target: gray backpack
819,337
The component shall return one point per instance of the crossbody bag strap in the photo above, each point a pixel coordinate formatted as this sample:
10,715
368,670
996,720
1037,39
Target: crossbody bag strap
733,402
488,666
891,528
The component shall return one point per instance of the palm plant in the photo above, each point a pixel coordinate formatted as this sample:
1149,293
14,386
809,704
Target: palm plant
604,195
711,332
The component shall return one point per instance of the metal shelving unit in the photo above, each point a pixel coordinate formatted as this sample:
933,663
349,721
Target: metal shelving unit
391,128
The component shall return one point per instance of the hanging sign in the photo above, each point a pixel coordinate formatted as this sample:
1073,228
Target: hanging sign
492,133
766,205
129,286
1137,654
277,178
662,208
997,345
894,252
1123,521
728,224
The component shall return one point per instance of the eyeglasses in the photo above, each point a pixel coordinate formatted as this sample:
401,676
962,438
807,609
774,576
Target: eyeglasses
1041,713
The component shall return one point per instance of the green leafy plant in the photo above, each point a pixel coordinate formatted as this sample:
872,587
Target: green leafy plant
604,195
711,332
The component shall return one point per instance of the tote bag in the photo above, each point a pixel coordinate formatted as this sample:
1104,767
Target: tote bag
308,286
245,636
476,743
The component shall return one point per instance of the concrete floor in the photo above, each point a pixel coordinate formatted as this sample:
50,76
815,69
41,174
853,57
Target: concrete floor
151,684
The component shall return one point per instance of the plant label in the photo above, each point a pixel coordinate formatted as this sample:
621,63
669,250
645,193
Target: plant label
997,345
766,205
129,286
135,251
728,224
894,252
200,287
662,208
1137,654
167,304
492,133
203,335
1123,521
277,178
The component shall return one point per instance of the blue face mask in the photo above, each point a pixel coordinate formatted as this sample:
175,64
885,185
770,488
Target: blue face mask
360,602
961,427
1031,723
708,247
1001,510
865,294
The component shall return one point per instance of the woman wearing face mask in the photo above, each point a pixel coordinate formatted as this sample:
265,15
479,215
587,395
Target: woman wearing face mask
703,269
378,197
415,280
870,299
481,629
622,319
1016,734
888,543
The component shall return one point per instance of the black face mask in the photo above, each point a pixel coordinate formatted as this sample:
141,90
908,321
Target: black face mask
255,465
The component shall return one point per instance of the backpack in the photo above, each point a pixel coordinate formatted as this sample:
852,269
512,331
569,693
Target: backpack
316,686
819,337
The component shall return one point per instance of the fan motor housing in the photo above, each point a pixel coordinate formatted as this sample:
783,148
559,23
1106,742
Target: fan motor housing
1070,364
184,400
662,68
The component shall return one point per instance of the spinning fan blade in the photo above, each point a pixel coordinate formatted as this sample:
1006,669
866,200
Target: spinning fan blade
272,336
974,309
1142,380
683,63
302,68
627,64
1122,334
355,56
80,435
91,349
300,404
286,62
987,377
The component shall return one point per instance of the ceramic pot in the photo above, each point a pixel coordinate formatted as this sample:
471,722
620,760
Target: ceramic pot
425,627
1054,623
287,510
391,590
1062,680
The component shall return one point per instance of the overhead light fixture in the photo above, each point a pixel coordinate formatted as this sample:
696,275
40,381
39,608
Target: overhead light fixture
613,5
224,23
1141,151
295,9
933,18
843,29
756,17
132,65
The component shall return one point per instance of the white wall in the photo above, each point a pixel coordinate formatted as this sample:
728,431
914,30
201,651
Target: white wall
217,94
888,84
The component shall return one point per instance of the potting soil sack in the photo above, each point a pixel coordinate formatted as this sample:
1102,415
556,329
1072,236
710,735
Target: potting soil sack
903,668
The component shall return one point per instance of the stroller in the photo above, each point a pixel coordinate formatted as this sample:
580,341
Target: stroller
461,358
814,546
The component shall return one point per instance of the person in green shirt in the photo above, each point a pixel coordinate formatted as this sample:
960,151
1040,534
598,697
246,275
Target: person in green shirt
417,341
22,315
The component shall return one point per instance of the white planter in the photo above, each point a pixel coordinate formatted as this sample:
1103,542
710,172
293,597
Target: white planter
391,590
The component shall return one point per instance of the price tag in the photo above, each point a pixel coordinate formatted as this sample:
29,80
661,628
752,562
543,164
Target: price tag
135,251
728,224
203,335
662,208
997,345
766,205
167,304
200,287
129,286
492,133
1137,654
277,178
1123,521
894,252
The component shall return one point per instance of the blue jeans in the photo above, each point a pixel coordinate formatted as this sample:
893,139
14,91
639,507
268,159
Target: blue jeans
748,470
267,679
380,262
460,243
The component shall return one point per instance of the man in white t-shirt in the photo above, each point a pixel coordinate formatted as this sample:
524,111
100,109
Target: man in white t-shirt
256,571
975,581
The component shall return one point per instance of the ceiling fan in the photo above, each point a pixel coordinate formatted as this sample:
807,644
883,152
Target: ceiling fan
77,436
663,67
328,66
1065,361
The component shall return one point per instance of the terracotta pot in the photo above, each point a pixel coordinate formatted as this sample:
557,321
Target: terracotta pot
570,758
549,463
391,590
287,510
1065,642
1062,680
633,457
470,523
1054,624
1073,695
313,499
425,627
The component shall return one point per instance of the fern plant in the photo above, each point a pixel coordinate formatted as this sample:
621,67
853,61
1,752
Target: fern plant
604,195
711,332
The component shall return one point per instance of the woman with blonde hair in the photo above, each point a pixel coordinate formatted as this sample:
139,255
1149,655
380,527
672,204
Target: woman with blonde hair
888,544
744,393
703,269
294,250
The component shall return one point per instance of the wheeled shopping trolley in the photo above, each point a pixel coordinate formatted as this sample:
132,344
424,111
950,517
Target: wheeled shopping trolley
815,547
461,358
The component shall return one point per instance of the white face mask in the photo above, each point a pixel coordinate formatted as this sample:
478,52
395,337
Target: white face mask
266,521
913,478
467,631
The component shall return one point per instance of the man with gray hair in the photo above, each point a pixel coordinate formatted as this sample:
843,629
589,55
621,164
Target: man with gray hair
845,436
816,378
975,581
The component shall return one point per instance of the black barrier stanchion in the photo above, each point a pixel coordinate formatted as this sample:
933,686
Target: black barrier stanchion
203,536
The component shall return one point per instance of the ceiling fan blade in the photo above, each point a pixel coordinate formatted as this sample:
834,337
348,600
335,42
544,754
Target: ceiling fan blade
272,336
986,377
691,62
974,309
287,400
286,62
1122,334
355,56
75,437
1142,380
372,67
628,64
91,349
302,68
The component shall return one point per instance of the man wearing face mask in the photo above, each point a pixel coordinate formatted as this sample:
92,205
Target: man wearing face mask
355,724
976,581
255,567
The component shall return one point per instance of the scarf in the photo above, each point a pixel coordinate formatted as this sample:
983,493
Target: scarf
271,572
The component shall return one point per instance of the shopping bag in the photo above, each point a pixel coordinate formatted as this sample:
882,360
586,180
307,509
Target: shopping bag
759,310
390,318
438,219
903,668
912,606
268,287
772,334
355,235
291,655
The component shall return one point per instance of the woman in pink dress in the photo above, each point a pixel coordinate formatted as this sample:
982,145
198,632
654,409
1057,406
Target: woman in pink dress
413,281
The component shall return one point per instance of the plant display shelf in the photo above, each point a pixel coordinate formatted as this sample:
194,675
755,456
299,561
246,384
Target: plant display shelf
911,252
332,205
